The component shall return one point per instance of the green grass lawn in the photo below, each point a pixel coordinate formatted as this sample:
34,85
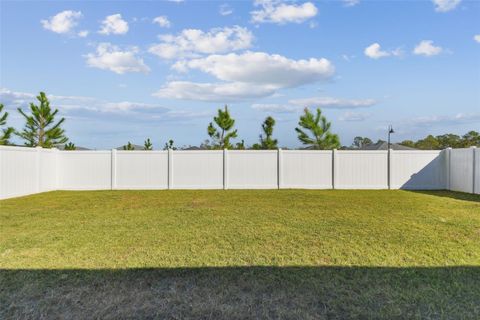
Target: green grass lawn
241,254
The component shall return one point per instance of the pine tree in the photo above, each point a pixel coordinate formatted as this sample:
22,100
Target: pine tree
128,147
41,129
70,146
223,131
6,133
147,145
267,142
169,145
321,137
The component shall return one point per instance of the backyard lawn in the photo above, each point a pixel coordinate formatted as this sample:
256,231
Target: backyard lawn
236,254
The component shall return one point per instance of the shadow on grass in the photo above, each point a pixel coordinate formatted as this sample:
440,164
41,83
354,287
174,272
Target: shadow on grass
450,194
243,292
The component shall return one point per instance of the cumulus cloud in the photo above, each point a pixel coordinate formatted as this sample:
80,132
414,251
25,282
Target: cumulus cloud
215,92
114,24
63,22
375,51
225,10
445,5
280,12
477,38
426,48
353,116
110,57
261,68
162,21
191,42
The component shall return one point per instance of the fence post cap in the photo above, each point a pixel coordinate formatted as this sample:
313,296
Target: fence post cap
473,147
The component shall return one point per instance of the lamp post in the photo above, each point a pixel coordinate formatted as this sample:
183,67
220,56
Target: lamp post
390,131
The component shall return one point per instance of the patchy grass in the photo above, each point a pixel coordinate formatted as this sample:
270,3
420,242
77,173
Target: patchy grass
241,254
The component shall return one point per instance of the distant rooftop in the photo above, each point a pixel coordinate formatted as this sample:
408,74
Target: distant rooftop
383,145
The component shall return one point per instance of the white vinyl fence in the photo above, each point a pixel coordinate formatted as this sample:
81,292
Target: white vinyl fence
26,171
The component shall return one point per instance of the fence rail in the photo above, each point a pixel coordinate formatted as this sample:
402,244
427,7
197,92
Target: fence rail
31,170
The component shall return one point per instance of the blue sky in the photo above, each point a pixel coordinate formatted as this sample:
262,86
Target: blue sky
126,71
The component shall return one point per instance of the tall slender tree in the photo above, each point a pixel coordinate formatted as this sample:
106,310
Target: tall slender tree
40,129
147,145
319,136
6,133
266,140
223,131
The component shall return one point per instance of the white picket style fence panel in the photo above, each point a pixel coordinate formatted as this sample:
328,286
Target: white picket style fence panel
26,171
418,170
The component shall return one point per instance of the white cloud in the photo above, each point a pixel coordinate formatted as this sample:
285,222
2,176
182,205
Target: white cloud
83,33
216,92
459,118
110,57
477,38
63,22
261,68
353,116
445,5
334,103
225,10
275,108
162,21
114,24
351,3
426,48
375,51
191,42
279,12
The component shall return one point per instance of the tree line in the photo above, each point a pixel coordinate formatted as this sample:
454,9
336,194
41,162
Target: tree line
313,131
430,142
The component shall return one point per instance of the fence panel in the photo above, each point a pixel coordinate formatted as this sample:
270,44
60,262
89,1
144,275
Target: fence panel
461,170
141,170
48,169
252,169
416,170
361,170
19,171
306,169
197,169
85,170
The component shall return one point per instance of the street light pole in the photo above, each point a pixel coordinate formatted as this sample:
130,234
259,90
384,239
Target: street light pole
390,131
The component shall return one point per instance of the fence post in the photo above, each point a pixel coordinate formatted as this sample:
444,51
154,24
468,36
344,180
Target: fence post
473,168
170,169
114,169
38,175
389,169
55,152
334,168
448,157
279,168
225,169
